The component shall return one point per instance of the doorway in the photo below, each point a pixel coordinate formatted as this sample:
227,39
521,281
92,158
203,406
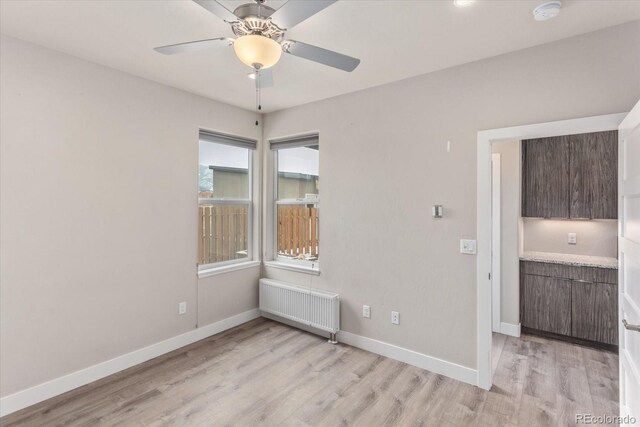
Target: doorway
506,231
486,139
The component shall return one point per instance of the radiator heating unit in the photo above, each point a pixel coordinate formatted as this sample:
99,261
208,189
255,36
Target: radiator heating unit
309,307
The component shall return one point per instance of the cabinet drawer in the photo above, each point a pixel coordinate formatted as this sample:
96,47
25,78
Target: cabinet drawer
561,271
573,272
606,275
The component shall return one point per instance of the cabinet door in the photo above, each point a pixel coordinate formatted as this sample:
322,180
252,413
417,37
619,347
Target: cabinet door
594,175
594,311
547,304
545,177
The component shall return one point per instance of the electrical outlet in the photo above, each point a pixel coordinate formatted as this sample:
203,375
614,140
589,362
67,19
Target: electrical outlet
182,307
572,238
366,311
395,317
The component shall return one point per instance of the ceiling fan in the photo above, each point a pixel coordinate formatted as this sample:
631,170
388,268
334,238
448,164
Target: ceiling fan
260,39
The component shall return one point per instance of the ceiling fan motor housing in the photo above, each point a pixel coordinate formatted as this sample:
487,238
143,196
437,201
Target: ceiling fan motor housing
254,19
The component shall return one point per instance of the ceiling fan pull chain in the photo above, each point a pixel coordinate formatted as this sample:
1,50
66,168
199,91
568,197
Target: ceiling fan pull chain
258,87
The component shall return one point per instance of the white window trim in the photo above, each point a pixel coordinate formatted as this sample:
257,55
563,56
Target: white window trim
303,266
211,269
222,269
299,266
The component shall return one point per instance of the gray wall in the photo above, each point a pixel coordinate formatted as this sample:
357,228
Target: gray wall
510,230
86,276
595,237
379,244
98,208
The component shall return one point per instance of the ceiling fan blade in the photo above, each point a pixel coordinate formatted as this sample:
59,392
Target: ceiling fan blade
318,54
264,78
217,9
294,12
193,46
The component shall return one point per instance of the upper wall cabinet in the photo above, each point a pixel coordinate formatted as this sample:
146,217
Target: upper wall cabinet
573,176
545,177
594,175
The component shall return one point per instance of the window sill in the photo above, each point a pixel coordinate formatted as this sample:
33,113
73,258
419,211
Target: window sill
292,267
227,269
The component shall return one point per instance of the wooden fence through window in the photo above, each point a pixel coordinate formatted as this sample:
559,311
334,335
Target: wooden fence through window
223,234
298,235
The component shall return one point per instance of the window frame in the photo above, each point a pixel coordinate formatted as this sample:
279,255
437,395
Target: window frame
311,266
249,260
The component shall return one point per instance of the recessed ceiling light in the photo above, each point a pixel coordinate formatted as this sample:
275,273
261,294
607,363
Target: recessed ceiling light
547,10
463,3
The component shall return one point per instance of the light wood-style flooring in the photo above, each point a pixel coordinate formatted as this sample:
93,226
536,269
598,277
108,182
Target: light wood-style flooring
266,373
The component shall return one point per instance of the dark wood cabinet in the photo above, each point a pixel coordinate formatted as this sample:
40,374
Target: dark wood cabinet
579,302
547,304
594,175
573,176
594,312
545,177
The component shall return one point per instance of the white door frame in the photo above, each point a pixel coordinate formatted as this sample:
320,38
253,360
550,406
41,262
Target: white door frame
628,255
496,233
483,262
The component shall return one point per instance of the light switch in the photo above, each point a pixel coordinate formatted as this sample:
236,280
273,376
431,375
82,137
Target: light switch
572,239
467,246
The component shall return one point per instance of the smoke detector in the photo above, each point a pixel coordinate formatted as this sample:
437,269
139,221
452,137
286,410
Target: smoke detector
547,10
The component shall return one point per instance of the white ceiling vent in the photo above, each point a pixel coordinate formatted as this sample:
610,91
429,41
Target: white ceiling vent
547,10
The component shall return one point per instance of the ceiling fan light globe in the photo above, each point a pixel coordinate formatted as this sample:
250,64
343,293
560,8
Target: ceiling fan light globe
257,51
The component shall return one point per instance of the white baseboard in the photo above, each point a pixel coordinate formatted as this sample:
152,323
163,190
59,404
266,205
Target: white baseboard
33,395
510,329
44,391
433,364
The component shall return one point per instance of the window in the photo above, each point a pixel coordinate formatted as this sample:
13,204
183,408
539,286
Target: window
224,199
297,204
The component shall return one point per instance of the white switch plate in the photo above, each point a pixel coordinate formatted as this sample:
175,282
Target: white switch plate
467,246
366,311
182,307
395,317
572,238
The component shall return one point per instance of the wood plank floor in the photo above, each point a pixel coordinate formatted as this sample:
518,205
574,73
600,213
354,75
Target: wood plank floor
265,373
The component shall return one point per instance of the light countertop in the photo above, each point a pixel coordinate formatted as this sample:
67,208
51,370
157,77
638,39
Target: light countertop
569,259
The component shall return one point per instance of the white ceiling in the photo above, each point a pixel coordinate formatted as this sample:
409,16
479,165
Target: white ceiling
394,39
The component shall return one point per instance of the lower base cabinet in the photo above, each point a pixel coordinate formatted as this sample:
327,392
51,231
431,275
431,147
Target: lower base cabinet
548,304
594,312
570,301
